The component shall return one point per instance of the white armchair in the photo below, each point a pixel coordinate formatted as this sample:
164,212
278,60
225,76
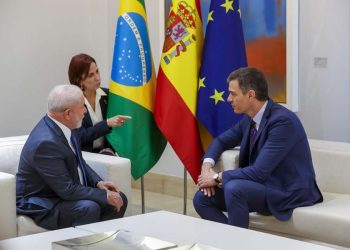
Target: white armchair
328,221
112,168
228,160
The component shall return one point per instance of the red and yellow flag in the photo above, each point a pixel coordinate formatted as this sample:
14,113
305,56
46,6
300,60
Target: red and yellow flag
177,83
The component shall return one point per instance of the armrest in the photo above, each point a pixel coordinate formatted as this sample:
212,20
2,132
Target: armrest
8,222
228,160
112,168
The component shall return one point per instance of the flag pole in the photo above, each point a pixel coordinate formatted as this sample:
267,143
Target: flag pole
185,191
142,196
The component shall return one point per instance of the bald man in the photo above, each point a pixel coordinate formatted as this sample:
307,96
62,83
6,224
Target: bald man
54,185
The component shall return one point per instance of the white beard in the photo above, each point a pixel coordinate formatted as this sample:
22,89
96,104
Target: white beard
79,123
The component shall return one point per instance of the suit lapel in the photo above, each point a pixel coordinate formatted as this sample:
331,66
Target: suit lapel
244,147
263,122
246,135
53,126
58,132
87,118
103,104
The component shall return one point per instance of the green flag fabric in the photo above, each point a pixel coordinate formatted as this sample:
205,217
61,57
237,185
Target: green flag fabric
132,89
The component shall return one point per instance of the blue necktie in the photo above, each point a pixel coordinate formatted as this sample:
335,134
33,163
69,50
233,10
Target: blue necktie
79,157
252,135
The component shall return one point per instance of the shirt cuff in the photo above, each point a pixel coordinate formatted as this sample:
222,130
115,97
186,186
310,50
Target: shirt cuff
209,160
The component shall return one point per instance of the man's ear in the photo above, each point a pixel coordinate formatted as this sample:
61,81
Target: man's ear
67,114
251,93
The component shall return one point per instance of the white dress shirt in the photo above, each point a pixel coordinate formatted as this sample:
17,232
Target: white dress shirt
96,115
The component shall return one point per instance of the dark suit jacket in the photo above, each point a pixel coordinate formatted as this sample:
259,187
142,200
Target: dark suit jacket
280,159
48,174
89,132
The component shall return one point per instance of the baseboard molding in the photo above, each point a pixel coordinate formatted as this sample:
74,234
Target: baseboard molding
165,184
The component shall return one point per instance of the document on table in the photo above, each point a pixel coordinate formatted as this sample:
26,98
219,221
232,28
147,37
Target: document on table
196,246
121,239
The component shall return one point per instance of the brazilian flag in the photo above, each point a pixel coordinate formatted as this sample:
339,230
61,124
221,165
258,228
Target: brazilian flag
132,91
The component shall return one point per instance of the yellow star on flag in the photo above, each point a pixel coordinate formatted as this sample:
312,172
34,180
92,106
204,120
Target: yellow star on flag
227,5
239,11
210,16
217,96
201,83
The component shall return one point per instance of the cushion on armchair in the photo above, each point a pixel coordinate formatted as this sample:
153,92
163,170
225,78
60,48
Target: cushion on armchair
328,221
8,226
112,168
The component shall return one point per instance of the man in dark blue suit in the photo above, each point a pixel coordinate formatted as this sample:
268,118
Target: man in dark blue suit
275,173
54,185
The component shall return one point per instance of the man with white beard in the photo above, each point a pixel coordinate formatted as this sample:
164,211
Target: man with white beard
54,185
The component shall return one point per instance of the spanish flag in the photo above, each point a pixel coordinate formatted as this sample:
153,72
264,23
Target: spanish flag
176,95
132,89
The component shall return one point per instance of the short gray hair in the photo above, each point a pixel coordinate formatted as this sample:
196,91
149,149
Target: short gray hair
62,97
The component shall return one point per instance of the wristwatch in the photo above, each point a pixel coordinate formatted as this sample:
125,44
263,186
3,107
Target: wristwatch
216,178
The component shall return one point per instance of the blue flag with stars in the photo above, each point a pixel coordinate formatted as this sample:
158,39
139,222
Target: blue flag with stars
224,52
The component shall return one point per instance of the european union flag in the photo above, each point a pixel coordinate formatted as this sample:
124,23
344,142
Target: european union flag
224,52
